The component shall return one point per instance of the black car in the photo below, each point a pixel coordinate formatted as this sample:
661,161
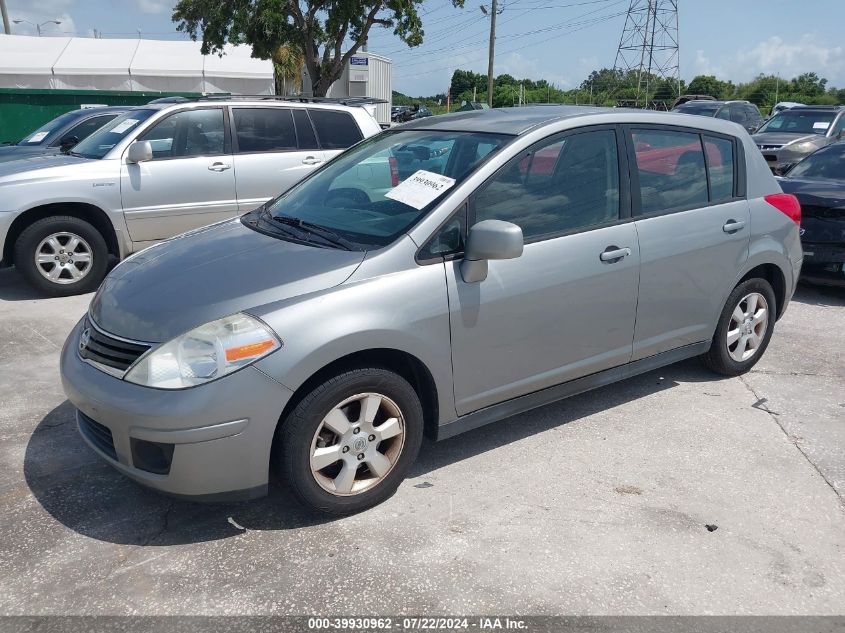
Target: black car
62,133
819,183
743,112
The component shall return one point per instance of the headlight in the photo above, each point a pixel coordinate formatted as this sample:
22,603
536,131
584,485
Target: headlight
205,353
802,148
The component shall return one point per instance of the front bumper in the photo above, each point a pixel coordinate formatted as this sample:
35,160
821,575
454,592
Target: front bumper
220,433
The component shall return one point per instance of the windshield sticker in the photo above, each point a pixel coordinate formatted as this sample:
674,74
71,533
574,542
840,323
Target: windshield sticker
821,125
36,138
419,189
121,127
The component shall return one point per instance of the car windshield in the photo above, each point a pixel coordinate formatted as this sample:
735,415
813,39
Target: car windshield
799,121
45,133
826,164
100,142
703,109
374,192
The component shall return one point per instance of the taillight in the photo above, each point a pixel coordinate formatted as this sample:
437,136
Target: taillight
394,171
786,203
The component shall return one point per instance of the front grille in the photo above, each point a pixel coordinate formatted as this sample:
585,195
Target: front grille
771,158
97,346
99,435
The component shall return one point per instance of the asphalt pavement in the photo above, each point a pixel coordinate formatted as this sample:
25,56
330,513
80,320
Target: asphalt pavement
676,492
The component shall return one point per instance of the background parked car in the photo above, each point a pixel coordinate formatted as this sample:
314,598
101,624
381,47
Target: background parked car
397,113
742,112
155,172
784,105
62,133
793,134
684,98
818,182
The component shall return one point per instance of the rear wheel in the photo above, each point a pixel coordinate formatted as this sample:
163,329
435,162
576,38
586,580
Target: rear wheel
62,256
349,443
744,330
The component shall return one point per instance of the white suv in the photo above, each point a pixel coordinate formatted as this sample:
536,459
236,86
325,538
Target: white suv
160,170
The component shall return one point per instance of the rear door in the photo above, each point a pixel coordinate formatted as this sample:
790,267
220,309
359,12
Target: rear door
693,232
189,183
562,310
274,148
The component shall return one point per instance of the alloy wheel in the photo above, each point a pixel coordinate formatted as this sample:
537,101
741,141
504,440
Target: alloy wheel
357,444
63,258
747,328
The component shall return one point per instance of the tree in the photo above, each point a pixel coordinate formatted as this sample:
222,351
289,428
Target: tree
287,66
306,25
707,85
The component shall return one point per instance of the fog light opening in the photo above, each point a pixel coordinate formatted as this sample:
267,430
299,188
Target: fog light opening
152,457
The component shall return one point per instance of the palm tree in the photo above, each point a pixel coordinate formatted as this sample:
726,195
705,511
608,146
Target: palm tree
288,61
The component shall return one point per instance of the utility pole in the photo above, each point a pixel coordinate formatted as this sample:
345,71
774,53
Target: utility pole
6,28
491,53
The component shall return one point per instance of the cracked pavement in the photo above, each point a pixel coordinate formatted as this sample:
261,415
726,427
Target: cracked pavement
674,492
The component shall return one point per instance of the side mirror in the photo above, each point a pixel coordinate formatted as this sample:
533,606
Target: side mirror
67,143
489,239
139,151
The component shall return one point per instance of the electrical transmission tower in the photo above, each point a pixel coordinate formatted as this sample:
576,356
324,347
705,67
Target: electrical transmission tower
648,47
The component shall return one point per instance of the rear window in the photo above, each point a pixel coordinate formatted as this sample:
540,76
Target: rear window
264,129
336,130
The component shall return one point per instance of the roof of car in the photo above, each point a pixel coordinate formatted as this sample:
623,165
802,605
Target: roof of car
513,121
831,108
99,110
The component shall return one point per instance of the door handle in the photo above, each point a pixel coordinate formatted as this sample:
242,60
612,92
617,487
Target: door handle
614,253
311,160
219,167
732,226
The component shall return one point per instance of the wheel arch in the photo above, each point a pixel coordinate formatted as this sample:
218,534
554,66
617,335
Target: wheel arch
81,210
401,362
776,278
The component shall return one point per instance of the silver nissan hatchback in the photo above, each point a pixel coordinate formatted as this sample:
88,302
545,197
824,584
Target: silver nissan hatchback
430,280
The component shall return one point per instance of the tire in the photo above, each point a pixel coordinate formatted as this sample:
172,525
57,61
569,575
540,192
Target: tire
305,433
726,357
35,240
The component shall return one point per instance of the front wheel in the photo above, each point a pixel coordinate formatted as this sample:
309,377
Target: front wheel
744,330
349,443
62,256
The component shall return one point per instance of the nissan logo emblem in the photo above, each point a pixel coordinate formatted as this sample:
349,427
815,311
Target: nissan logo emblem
84,338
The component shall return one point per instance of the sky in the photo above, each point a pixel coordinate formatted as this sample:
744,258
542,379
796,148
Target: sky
561,41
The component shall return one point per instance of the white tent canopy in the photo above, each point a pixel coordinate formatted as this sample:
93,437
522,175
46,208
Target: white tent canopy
136,65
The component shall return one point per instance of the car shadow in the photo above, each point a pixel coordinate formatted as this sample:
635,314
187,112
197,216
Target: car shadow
819,295
14,288
91,498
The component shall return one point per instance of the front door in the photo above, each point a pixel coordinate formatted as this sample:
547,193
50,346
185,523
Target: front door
189,183
566,307
693,234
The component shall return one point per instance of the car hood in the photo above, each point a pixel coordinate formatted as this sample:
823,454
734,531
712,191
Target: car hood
16,152
782,138
210,273
16,168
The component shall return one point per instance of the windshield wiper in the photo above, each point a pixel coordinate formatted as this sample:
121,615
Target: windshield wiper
328,235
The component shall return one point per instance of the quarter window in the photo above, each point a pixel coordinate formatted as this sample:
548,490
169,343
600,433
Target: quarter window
336,130
304,131
264,130
188,133
671,170
720,167
562,185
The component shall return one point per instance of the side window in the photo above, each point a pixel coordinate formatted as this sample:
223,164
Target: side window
264,130
839,127
720,166
671,170
188,133
738,114
335,129
563,184
87,127
448,240
304,131
724,113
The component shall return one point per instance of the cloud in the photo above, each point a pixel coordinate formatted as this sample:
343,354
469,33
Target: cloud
775,55
156,6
